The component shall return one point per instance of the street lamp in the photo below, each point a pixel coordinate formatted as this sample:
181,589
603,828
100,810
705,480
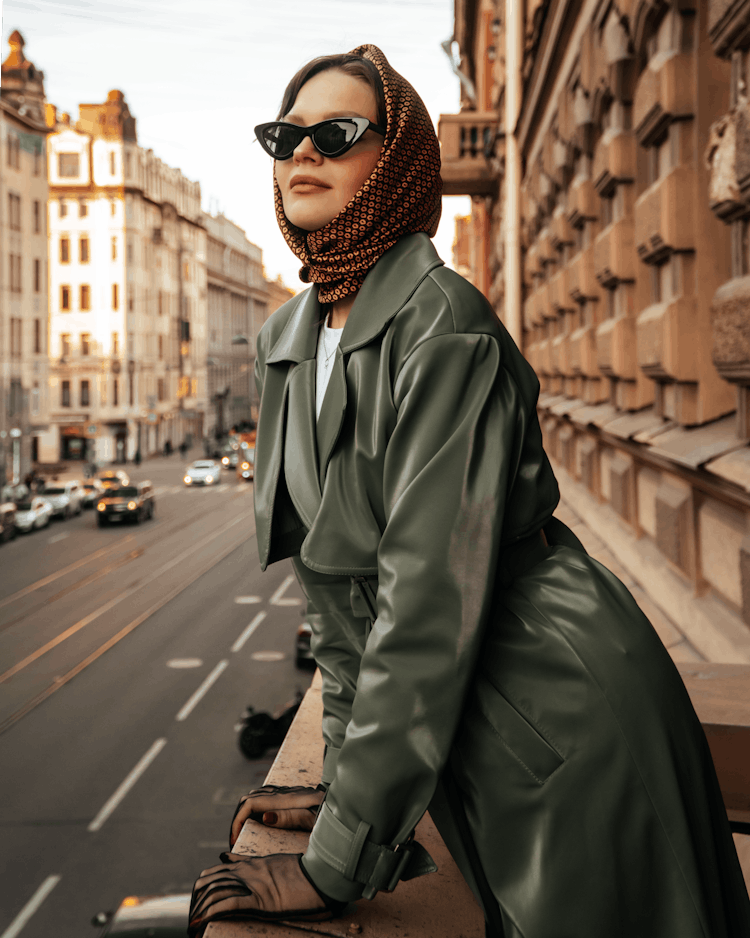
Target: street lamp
241,339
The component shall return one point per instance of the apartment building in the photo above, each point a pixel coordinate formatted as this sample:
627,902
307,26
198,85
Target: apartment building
606,147
238,305
128,292
24,404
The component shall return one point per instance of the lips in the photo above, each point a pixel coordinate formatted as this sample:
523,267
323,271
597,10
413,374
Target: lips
307,184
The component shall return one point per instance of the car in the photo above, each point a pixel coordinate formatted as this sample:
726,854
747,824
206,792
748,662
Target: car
126,503
246,464
66,498
141,916
303,656
203,472
35,512
92,490
230,456
8,514
110,478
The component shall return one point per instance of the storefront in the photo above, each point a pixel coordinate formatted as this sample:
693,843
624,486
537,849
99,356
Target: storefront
72,442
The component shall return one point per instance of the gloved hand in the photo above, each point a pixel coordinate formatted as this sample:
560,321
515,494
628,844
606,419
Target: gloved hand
289,807
269,888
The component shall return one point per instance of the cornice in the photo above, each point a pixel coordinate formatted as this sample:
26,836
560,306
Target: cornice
22,119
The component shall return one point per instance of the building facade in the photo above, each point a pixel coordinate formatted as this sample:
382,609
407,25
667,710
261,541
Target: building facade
128,293
238,303
607,150
24,403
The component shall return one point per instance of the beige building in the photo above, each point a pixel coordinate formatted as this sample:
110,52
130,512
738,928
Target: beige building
128,292
24,403
238,302
606,147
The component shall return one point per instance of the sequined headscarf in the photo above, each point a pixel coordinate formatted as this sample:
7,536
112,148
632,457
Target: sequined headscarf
402,196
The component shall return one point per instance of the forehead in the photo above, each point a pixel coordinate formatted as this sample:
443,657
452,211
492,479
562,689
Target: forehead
333,93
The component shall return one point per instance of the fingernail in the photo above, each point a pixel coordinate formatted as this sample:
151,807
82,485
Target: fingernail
270,817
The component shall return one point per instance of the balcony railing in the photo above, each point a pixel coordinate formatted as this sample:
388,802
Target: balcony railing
467,144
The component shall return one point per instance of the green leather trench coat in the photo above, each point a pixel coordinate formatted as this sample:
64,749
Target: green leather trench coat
513,688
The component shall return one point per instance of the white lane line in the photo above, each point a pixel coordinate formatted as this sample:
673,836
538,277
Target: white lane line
57,537
205,686
127,784
248,631
31,906
247,600
276,599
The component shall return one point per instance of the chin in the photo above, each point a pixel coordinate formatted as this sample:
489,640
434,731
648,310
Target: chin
309,218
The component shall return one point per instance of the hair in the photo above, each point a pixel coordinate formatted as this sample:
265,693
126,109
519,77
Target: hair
355,65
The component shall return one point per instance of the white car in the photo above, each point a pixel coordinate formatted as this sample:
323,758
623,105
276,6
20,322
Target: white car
203,472
66,498
34,513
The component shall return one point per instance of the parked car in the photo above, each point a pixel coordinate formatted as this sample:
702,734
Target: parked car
203,472
113,477
7,520
246,464
141,916
66,498
303,656
34,513
92,490
126,503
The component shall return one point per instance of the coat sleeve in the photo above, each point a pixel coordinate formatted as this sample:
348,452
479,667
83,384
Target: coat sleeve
447,466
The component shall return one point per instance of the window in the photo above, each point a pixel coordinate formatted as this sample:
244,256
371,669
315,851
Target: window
131,389
64,344
115,297
115,345
35,399
83,250
37,275
610,305
14,211
127,164
160,303
85,393
14,150
161,346
115,392
15,273
37,336
64,250
63,208
85,296
114,249
38,161
68,165
608,212
65,394
85,343
15,337
112,170
65,298
37,217
113,207
83,208
161,387
130,253
663,286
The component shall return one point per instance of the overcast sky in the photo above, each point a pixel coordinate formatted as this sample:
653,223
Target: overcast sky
198,75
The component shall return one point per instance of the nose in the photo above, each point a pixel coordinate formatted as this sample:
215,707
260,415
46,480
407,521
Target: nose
306,151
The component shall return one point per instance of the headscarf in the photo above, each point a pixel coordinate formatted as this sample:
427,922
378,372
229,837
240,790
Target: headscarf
402,196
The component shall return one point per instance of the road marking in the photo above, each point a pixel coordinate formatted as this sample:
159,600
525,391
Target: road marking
276,599
77,626
130,779
184,663
198,695
247,600
268,656
31,906
58,537
248,631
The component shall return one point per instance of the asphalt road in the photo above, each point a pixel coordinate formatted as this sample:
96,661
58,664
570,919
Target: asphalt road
127,655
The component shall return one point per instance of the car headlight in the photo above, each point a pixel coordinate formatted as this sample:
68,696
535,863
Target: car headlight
245,465
225,461
187,480
132,506
101,507
209,478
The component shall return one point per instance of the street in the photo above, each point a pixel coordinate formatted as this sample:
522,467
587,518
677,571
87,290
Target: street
127,654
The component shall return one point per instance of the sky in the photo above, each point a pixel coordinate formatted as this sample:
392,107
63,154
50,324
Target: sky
198,75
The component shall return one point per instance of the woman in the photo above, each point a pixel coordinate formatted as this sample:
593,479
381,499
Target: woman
475,660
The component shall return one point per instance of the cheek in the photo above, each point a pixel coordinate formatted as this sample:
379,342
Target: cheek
357,172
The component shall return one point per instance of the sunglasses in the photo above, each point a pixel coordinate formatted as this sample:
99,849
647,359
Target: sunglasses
330,138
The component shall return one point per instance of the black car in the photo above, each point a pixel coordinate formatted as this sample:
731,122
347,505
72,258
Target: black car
126,502
7,521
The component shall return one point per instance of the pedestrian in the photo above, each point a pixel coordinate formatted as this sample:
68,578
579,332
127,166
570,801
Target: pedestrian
183,449
476,661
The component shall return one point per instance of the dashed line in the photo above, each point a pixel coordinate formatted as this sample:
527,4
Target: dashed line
198,695
276,599
248,631
130,780
31,907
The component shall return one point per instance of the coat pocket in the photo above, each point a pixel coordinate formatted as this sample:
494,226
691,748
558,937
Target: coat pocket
515,732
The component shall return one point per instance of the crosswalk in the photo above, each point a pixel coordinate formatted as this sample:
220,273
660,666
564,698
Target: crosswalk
223,487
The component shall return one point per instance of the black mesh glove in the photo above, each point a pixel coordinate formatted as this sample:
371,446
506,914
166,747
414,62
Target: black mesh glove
289,807
271,888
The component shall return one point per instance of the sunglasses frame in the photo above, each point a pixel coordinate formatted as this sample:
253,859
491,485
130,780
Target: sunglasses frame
363,125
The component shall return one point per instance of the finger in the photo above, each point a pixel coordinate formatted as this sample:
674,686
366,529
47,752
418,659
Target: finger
242,813
301,819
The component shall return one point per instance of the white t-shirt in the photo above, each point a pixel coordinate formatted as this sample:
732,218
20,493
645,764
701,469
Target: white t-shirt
328,341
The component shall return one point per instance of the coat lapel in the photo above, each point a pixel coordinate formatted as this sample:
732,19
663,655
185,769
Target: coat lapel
300,448
331,414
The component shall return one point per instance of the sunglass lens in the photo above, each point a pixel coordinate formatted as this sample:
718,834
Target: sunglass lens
334,136
281,139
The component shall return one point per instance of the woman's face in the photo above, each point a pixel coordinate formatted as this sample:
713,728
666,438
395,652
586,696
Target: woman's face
315,188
